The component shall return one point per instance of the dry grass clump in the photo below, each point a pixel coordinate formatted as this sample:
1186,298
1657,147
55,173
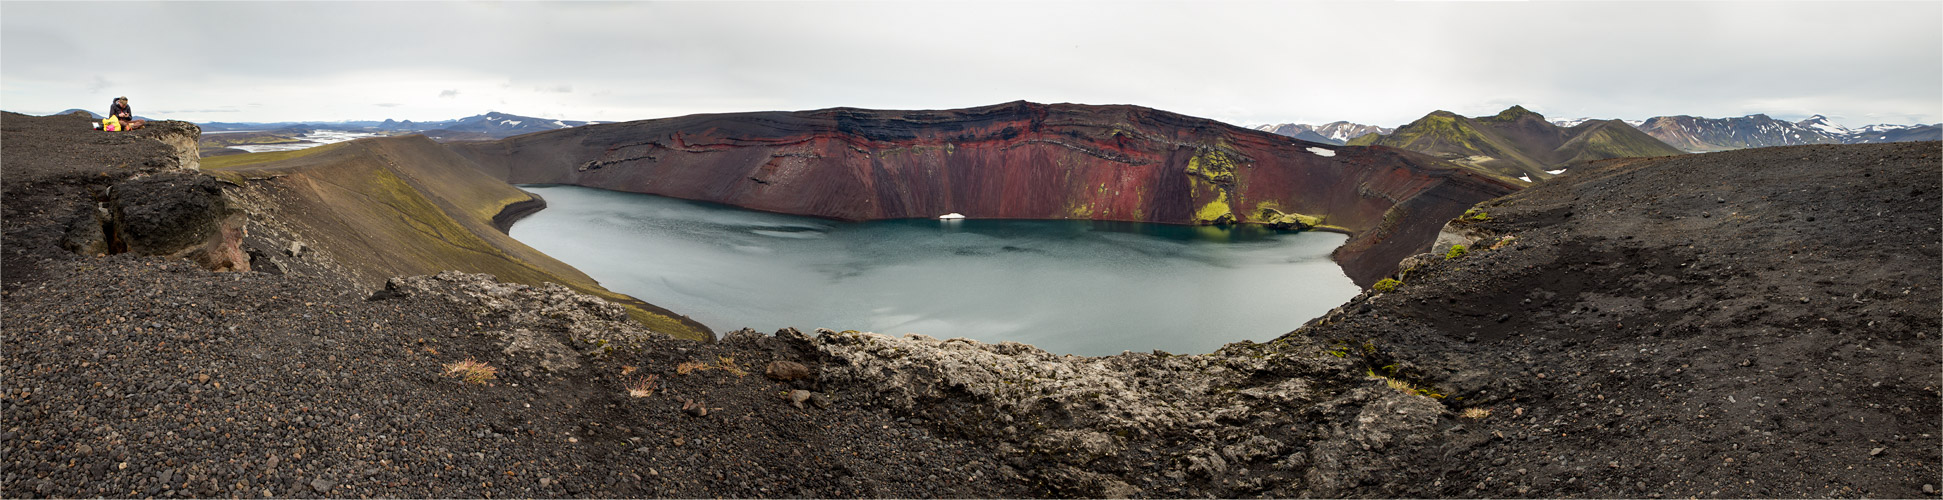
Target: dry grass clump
1407,388
724,363
644,387
472,371
727,364
1474,413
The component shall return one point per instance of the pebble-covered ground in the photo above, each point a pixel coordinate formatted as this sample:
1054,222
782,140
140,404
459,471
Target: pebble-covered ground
1757,323
141,377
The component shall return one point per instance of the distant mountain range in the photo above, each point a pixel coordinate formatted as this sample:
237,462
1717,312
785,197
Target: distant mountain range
91,114
1336,133
1686,133
1518,142
493,125
1753,131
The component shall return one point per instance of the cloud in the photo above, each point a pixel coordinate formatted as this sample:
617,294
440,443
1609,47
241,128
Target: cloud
1242,62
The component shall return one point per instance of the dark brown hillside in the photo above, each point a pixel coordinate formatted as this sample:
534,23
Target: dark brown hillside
401,206
1527,131
1729,324
1014,160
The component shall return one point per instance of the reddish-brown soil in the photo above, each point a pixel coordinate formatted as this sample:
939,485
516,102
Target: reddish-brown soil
1018,160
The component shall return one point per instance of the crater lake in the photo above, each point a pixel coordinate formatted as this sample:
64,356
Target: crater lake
1066,286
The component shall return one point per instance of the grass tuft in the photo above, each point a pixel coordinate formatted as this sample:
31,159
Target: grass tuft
1455,252
1386,285
1474,413
727,364
472,371
1406,387
644,387
687,367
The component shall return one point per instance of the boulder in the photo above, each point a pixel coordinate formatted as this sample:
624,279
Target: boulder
786,371
174,214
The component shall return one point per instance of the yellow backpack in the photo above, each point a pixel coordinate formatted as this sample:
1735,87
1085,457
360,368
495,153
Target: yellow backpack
111,124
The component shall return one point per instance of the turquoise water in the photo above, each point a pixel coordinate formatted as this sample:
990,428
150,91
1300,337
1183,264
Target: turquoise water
1071,287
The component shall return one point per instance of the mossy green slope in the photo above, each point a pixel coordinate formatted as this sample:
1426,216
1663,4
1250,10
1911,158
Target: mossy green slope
408,206
1611,139
1457,138
1518,142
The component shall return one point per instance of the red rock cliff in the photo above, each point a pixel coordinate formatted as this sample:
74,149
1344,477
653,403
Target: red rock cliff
1015,160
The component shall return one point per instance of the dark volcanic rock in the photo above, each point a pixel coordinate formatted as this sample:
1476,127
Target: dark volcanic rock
1743,324
786,371
1016,160
181,213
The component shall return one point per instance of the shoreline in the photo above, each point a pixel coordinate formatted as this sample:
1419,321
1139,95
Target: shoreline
513,212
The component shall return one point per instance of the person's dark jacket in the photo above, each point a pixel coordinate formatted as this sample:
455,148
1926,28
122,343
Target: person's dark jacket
121,112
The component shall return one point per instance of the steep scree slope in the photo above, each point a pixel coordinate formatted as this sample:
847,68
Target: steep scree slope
401,206
1015,160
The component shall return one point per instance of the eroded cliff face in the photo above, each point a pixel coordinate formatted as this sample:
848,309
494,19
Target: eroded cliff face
1016,160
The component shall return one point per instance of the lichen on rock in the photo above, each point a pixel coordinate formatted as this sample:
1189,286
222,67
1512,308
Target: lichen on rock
1276,219
549,325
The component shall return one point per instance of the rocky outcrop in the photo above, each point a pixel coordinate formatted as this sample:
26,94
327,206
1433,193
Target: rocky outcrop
172,214
543,328
180,137
178,214
1014,160
1251,419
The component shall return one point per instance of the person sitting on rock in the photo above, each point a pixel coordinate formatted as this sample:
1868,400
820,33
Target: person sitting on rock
119,110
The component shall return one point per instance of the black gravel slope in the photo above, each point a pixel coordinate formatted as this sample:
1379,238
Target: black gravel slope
1758,323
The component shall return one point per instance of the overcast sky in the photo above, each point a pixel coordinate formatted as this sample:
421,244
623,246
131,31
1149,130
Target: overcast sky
1245,63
